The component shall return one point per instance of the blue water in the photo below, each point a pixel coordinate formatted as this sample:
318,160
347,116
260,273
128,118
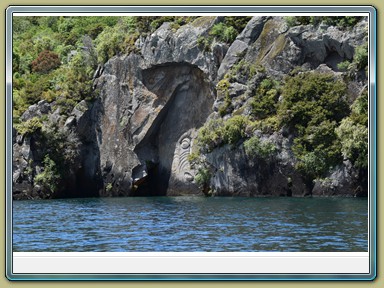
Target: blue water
184,224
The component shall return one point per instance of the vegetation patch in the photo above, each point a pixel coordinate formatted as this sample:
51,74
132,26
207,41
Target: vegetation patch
29,127
361,56
313,106
205,43
203,21
224,33
353,133
203,177
60,150
54,58
264,103
218,132
343,22
50,177
255,148
45,62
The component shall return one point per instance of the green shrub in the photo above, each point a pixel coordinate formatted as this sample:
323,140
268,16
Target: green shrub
302,20
312,97
317,145
359,109
66,105
205,42
29,127
353,133
210,135
148,24
40,76
49,179
34,88
354,142
224,33
43,40
158,21
74,28
312,165
267,125
343,66
203,177
117,39
312,107
361,56
264,102
61,149
75,82
218,132
229,34
244,69
108,187
223,85
291,21
193,158
227,107
237,22
234,129
254,148
341,21
218,30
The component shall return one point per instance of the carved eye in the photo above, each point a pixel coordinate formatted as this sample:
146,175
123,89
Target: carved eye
185,143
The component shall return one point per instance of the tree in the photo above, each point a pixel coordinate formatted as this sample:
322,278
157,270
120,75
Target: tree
45,62
312,107
353,133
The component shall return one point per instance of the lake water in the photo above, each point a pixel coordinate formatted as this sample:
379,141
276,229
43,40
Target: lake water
187,224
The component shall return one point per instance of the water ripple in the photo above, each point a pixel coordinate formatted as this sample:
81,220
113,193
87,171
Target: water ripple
191,224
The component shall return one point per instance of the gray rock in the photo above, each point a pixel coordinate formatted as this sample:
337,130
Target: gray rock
32,111
318,44
234,54
19,139
342,181
99,70
166,102
238,48
36,110
166,46
234,174
253,29
55,116
70,122
44,107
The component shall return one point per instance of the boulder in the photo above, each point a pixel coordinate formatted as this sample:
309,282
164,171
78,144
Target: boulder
36,110
238,48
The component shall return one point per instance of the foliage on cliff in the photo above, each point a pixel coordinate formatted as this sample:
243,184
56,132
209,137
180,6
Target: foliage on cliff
54,58
315,111
325,123
343,22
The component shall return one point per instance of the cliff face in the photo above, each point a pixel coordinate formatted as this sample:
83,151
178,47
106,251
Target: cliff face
137,137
